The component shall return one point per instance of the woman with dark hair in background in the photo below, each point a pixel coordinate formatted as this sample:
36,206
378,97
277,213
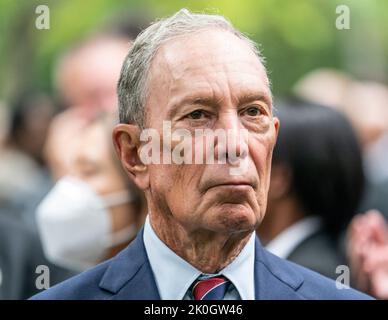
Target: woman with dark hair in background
317,182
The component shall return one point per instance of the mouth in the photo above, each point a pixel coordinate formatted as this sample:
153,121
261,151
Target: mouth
232,185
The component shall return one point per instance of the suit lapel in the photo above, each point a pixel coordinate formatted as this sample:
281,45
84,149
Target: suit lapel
274,279
129,275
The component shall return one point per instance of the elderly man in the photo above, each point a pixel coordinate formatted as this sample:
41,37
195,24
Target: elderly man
196,72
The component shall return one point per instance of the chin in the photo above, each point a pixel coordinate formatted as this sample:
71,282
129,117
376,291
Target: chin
235,218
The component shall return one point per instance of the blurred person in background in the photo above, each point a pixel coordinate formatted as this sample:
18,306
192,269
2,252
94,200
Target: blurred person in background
365,104
24,179
367,246
94,211
23,183
323,86
86,77
316,185
20,255
368,253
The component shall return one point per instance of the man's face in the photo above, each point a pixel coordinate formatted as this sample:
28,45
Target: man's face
212,80
88,79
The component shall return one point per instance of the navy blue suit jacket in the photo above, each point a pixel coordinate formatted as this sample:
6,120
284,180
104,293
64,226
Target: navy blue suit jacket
128,276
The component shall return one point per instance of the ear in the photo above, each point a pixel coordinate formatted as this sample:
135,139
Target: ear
276,123
126,139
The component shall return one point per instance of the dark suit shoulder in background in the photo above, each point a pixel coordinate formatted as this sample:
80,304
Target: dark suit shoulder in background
319,253
20,254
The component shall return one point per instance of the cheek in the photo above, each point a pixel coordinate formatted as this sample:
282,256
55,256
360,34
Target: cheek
260,148
176,183
261,157
105,183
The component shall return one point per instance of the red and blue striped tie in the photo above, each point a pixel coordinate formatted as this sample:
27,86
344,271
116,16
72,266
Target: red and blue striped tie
210,289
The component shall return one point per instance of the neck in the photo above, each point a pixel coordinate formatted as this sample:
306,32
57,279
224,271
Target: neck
205,250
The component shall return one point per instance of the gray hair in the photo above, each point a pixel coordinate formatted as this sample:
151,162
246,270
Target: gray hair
132,91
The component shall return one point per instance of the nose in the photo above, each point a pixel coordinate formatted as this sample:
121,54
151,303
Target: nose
231,144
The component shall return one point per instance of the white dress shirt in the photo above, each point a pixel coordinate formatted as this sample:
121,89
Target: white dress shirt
287,240
174,275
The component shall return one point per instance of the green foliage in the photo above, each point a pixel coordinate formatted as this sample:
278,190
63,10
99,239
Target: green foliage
295,36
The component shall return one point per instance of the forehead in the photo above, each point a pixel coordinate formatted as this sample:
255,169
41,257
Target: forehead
213,61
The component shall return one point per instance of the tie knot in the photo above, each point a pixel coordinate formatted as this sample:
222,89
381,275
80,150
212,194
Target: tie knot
213,288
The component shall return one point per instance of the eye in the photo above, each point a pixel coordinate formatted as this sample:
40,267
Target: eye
253,111
196,115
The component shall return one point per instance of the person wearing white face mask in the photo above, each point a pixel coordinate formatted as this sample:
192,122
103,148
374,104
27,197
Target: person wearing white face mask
95,210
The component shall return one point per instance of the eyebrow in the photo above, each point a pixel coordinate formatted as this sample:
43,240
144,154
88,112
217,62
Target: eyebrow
210,101
246,98
191,100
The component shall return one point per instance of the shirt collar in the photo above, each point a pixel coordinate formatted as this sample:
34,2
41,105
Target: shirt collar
174,275
286,242
241,270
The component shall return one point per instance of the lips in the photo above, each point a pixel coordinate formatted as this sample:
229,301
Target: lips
230,183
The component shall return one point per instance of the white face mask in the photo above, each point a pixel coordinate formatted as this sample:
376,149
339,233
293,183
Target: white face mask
75,226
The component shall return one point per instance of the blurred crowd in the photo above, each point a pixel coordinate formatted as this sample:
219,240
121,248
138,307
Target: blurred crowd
66,202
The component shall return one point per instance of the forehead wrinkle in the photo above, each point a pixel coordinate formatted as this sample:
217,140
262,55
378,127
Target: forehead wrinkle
212,94
183,44
182,72
177,62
